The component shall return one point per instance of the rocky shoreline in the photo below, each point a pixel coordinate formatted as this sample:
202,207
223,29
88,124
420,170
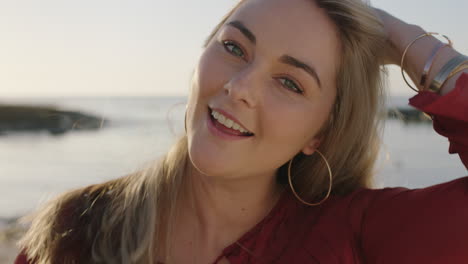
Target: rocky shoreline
27,118
408,115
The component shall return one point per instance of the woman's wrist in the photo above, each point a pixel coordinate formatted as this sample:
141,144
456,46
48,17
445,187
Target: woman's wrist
418,54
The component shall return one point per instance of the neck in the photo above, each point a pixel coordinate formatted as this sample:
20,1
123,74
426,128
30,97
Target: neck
221,209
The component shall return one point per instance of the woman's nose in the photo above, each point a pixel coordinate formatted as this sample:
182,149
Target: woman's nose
245,87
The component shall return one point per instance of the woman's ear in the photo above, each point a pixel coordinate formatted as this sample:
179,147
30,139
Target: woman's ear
311,146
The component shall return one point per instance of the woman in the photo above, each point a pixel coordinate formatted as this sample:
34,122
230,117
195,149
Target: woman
284,91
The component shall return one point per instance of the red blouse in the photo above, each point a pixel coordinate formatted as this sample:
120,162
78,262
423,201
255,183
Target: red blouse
390,225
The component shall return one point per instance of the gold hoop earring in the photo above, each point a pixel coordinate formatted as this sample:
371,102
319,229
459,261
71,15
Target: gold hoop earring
294,191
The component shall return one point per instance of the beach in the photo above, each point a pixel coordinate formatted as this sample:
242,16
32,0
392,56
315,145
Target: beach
35,167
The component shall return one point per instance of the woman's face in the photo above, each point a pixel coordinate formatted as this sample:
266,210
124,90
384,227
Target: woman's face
263,88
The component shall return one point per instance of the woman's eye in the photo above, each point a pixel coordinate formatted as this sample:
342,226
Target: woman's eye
234,49
291,85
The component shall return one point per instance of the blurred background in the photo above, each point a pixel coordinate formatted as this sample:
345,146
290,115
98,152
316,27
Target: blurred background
93,90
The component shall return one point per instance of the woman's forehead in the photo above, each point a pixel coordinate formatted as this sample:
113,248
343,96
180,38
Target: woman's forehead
298,28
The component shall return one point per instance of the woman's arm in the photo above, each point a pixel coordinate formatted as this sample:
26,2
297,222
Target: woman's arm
405,226
22,259
449,109
400,34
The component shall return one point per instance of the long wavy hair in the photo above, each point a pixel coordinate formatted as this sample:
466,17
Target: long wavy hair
128,220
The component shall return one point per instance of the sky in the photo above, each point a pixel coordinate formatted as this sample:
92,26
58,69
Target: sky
142,47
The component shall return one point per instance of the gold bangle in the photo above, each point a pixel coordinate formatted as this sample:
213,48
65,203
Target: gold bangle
443,74
430,63
406,50
462,67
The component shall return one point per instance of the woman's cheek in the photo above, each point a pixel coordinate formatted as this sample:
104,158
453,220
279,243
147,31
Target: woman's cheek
212,73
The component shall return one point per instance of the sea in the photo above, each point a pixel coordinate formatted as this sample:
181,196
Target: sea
35,167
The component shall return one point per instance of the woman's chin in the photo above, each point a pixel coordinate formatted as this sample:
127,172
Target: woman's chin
209,163
204,165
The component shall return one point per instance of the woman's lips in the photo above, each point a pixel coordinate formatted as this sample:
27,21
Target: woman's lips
222,131
219,113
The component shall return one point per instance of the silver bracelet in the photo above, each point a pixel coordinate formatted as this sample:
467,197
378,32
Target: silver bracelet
442,75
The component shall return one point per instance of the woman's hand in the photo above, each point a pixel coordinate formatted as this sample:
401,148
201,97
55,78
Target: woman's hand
399,35
390,23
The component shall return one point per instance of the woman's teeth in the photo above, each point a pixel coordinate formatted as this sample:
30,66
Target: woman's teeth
228,122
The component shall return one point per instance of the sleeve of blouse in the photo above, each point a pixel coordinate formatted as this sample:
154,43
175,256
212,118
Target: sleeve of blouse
21,259
450,115
428,225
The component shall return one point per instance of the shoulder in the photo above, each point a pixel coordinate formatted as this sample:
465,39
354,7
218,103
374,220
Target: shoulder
326,233
330,232
22,259
65,226
387,203
383,223
345,227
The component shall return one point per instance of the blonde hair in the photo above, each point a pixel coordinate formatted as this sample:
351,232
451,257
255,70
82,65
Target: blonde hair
128,220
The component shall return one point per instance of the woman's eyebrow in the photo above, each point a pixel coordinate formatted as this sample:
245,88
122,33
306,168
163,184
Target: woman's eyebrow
299,64
284,59
242,28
